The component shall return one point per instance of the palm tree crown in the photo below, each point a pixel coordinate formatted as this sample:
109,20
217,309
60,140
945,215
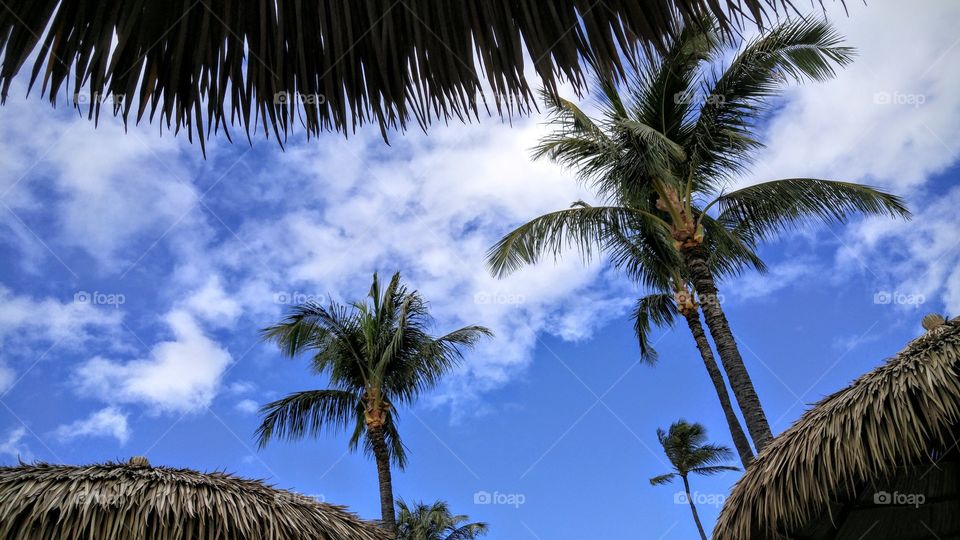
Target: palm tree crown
667,143
686,447
435,522
377,354
689,453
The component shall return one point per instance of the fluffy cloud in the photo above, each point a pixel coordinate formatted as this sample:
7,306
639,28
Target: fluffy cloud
913,262
110,186
108,422
182,375
247,406
212,304
430,208
887,119
14,447
49,319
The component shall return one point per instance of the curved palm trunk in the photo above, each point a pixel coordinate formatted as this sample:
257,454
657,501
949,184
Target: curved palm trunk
693,508
695,260
736,431
382,456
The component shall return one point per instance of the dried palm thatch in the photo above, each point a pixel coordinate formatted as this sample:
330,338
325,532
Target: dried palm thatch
876,460
113,502
204,65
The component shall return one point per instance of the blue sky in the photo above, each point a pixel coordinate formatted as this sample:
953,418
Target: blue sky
136,275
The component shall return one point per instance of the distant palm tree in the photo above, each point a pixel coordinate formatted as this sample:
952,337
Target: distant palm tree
435,522
378,355
661,156
686,448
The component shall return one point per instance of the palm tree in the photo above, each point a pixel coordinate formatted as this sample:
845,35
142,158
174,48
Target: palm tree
435,522
660,157
686,447
378,355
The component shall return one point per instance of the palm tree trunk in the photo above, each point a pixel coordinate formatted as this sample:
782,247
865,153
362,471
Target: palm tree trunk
736,431
382,456
693,508
695,260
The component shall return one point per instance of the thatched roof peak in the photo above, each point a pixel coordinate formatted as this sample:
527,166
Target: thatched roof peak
114,501
825,470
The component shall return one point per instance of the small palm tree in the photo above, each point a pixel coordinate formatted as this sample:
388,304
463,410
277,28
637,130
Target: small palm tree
435,522
378,355
661,155
686,447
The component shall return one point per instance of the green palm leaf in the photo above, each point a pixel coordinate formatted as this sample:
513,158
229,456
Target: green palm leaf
769,208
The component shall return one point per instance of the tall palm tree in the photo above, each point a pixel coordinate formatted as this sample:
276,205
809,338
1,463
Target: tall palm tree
660,157
689,453
435,522
378,355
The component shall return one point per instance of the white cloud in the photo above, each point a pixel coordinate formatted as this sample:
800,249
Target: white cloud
7,378
430,207
247,406
111,186
182,375
212,304
108,422
842,129
911,260
26,318
241,387
14,447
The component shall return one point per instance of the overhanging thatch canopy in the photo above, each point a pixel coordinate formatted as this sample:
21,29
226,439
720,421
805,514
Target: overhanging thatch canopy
203,65
120,502
877,460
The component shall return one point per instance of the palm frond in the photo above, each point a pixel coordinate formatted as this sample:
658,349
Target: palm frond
769,208
662,479
652,310
306,413
722,143
713,470
582,228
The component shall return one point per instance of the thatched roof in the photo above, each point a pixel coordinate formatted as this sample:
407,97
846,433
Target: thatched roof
121,502
205,64
876,460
